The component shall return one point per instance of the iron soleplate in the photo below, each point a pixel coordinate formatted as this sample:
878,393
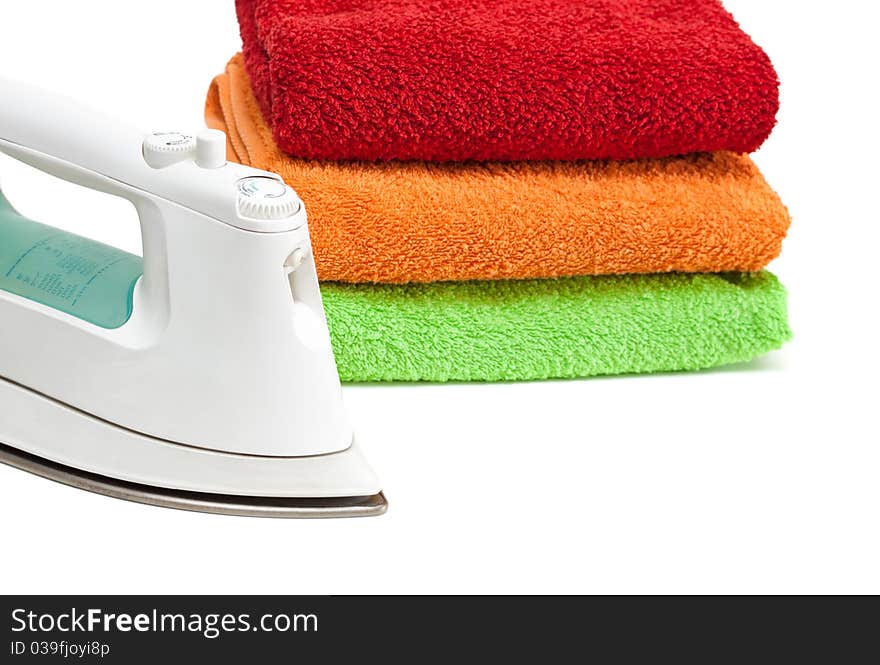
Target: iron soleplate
218,504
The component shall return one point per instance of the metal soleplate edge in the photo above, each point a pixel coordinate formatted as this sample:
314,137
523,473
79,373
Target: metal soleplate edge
218,504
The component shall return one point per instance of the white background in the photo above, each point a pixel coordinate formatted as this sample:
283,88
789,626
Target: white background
760,478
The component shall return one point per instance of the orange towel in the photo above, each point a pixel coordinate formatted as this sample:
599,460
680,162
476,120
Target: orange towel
421,222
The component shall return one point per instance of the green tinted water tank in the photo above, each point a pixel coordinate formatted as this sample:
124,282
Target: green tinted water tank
86,279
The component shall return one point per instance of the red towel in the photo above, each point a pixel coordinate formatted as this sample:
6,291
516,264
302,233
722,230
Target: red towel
506,79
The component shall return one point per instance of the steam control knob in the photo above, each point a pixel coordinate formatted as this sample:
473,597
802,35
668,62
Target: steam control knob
166,148
211,149
264,198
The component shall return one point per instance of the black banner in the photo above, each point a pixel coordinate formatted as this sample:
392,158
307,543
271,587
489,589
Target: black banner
243,629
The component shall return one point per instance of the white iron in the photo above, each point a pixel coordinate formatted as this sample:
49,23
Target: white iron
205,383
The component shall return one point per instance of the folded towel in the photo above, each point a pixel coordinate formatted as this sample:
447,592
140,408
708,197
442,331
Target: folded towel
506,80
419,222
541,329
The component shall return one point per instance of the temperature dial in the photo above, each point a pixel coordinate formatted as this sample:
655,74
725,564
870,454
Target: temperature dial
265,198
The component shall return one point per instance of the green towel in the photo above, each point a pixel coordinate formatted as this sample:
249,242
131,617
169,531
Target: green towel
555,328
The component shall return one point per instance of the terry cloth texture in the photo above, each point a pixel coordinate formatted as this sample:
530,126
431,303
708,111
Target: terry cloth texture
542,329
397,222
452,80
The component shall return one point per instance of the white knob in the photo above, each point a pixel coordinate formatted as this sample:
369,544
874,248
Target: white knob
295,260
166,148
265,198
211,149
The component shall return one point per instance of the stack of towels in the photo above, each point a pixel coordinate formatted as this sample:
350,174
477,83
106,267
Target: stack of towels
519,189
